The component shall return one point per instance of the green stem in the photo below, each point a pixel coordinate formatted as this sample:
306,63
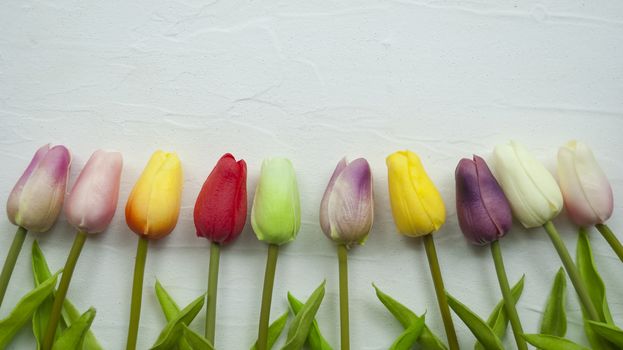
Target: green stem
612,239
59,297
215,253
572,271
267,295
342,256
509,301
11,259
137,292
440,291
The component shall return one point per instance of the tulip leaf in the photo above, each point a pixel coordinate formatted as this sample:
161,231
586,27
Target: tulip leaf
406,317
315,339
73,337
197,342
477,325
69,314
552,342
596,290
24,310
498,319
274,330
610,332
170,310
554,317
172,332
300,326
409,337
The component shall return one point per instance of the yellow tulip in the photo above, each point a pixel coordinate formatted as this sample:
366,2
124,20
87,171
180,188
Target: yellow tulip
416,204
154,203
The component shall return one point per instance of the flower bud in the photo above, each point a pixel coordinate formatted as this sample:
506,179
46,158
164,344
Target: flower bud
37,198
276,212
347,207
482,209
221,207
93,200
154,203
416,204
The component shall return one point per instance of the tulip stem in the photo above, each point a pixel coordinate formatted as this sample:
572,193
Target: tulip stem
11,259
509,301
137,291
63,286
572,271
610,237
215,253
267,295
342,256
440,291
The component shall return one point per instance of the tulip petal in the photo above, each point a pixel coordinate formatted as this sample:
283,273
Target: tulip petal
350,205
13,201
325,224
493,198
594,182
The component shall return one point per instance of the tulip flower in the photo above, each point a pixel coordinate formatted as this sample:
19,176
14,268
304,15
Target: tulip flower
90,207
346,215
484,217
276,219
220,214
418,210
35,201
586,191
151,212
535,200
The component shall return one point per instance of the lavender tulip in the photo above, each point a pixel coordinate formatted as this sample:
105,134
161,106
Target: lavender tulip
347,210
92,202
482,208
37,198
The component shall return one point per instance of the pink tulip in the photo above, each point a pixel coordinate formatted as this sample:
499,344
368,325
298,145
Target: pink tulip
584,186
92,202
37,198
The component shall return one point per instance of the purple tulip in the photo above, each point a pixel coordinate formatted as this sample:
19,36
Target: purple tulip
481,206
37,198
92,202
347,208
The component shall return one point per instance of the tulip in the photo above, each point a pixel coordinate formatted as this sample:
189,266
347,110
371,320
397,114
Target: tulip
416,204
418,210
35,201
151,212
535,200
220,214
586,191
90,208
346,214
276,219
484,217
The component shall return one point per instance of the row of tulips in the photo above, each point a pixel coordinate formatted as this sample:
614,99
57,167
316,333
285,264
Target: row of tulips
485,201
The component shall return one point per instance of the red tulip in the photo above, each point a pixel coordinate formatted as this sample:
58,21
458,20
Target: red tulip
221,207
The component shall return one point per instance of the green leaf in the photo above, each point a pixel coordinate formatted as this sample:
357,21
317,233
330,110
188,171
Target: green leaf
552,342
406,317
299,329
554,317
596,290
610,332
168,305
410,335
73,337
69,314
170,335
479,328
197,342
24,310
498,319
315,339
274,330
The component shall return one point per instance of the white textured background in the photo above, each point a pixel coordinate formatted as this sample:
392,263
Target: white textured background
312,81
